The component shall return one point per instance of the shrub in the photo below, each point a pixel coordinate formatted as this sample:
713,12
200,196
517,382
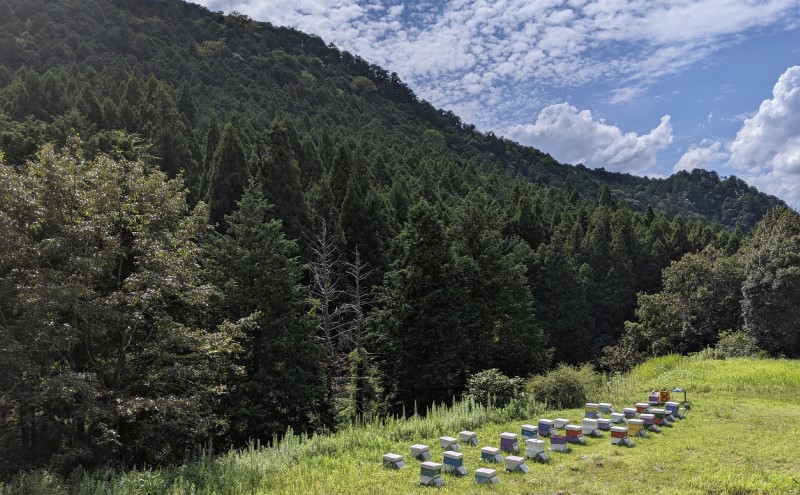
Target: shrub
565,387
736,344
493,387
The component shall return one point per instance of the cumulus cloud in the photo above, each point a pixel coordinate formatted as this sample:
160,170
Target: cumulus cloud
543,43
575,136
705,156
767,148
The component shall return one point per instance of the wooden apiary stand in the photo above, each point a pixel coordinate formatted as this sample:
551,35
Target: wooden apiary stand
546,427
515,464
468,437
420,452
454,463
430,474
636,428
591,427
486,476
534,449
393,461
558,443
449,443
528,432
491,454
619,436
650,422
508,443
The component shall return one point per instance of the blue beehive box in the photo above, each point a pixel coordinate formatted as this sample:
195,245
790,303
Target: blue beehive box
491,454
546,427
454,463
529,431
486,475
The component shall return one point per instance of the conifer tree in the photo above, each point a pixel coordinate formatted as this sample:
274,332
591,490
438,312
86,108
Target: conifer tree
227,177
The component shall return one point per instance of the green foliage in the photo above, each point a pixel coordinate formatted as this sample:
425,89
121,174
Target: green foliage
255,268
736,344
771,289
565,387
105,355
493,387
227,177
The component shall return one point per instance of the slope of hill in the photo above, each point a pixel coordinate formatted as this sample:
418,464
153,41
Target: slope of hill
738,438
228,65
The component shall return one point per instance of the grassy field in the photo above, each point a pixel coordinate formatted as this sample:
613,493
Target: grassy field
742,437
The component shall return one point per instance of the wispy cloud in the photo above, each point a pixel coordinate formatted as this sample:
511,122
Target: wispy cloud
574,136
453,52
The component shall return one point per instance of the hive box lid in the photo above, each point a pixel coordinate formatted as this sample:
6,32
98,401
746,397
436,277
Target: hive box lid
418,447
619,429
490,450
486,472
514,459
431,465
534,441
392,457
447,439
453,455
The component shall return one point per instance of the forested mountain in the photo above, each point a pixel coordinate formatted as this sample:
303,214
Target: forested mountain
89,66
216,229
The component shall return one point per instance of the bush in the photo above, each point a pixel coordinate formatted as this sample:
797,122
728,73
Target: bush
736,344
565,387
493,387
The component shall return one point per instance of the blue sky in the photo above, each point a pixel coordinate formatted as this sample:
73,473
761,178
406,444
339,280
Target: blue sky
647,87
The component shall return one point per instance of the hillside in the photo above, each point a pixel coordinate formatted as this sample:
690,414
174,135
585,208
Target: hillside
720,448
215,230
225,65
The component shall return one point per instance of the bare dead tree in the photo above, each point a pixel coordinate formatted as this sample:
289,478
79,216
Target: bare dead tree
359,297
325,288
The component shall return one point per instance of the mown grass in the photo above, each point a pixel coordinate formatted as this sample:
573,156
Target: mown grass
740,438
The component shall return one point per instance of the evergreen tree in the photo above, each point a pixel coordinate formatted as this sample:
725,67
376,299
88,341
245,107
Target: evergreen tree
279,173
258,273
227,177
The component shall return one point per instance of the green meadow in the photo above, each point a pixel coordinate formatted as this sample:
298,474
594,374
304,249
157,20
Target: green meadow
741,437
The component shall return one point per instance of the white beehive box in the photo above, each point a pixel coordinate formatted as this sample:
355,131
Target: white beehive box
560,423
534,449
468,437
393,461
591,427
515,464
617,418
449,443
421,452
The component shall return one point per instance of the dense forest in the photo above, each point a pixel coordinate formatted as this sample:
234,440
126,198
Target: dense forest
216,229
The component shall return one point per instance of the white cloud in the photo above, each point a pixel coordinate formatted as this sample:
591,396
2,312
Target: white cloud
574,136
704,156
526,43
767,148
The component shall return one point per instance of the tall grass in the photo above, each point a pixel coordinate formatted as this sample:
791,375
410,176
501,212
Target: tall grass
719,449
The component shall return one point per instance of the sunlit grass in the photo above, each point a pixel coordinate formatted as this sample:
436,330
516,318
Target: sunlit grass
740,438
